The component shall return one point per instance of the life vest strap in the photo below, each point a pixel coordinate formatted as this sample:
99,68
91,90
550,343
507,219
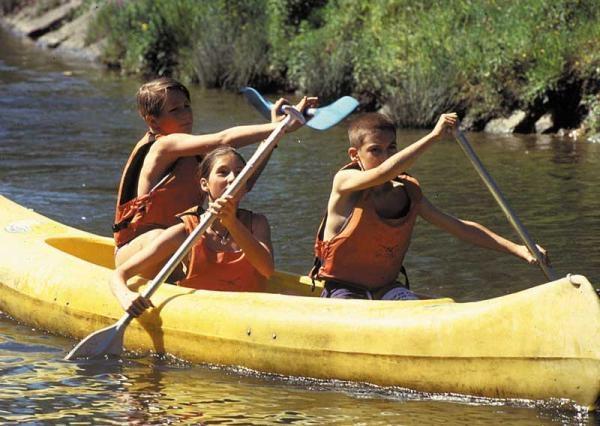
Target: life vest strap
121,225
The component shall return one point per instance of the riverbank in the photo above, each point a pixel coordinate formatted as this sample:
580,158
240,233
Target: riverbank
57,25
528,67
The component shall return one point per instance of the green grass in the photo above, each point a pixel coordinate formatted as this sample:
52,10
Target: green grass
480,57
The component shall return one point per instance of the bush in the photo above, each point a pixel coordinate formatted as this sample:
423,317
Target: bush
419,58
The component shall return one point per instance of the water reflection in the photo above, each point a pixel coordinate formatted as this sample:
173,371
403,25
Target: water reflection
154,390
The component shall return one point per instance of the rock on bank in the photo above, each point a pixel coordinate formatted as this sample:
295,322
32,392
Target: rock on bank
61,26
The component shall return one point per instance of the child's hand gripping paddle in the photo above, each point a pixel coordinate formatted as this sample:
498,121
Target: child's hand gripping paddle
109,340
318,118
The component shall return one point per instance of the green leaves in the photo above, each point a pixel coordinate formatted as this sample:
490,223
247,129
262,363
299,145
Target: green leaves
420,58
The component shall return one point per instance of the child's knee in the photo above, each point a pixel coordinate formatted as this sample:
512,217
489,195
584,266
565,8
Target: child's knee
136,245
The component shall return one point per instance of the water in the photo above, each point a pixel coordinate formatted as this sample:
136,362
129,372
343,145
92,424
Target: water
66,129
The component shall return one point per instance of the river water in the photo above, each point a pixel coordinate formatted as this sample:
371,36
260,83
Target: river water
66,129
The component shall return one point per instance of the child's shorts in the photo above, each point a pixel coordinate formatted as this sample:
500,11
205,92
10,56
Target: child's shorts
337,290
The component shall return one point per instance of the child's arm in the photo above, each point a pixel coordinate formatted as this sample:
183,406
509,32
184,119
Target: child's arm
255,243
178,145
153,254
347,181
475,233
162,155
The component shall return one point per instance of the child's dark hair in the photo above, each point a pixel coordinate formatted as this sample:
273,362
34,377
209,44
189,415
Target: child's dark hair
208,161
366,124
151,96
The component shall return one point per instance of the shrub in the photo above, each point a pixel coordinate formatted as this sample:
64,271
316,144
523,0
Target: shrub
419,58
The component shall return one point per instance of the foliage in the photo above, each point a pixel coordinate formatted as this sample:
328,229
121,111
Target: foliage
418,58
592,122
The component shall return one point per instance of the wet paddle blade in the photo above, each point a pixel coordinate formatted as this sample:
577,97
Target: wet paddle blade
258,102
332,114
108,341
318,118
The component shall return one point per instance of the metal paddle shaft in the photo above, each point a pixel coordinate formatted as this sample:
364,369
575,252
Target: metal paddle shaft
110,340
512,217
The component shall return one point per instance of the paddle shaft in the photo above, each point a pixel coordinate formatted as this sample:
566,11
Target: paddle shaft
510,215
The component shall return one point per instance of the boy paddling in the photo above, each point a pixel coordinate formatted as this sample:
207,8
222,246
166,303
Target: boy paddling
372,210
159,179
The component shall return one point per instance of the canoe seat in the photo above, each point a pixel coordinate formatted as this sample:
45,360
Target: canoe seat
96,251
100,251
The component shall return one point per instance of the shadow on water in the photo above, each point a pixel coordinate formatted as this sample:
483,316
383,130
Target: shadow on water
66,129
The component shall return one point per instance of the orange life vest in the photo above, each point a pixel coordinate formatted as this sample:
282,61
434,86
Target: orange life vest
369,250
175,193
225,271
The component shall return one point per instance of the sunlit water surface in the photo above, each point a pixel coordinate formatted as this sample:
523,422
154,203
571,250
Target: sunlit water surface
66,129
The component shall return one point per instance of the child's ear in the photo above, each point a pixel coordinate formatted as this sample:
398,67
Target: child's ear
353,153
204,185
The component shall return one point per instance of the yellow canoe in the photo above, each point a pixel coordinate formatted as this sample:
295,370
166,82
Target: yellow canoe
541,343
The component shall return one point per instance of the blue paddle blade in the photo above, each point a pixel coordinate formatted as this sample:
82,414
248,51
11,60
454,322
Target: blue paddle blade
319,118
325,117
258,102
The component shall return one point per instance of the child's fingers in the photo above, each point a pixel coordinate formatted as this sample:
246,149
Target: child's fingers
307,102
275,114
220,205
138,306
544,253
223,207
223,201
450,119
280,102
300,106
213,209
312,101
146,303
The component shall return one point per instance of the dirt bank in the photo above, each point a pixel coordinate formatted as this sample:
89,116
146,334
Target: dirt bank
58,25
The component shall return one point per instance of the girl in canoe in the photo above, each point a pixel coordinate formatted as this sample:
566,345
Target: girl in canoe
235,253
158,180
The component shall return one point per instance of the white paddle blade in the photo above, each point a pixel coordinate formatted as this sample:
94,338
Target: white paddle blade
107,341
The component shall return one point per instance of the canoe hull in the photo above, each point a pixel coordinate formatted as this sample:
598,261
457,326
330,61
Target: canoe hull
540,343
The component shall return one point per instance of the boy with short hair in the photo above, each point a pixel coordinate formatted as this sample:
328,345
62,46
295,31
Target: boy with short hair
158,181
372,210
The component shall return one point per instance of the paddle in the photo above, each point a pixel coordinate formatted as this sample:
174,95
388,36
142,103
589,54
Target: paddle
320,118
512,217
109,340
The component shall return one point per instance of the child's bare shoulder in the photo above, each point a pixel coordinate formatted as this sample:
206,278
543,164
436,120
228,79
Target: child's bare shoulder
346,173
343,176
